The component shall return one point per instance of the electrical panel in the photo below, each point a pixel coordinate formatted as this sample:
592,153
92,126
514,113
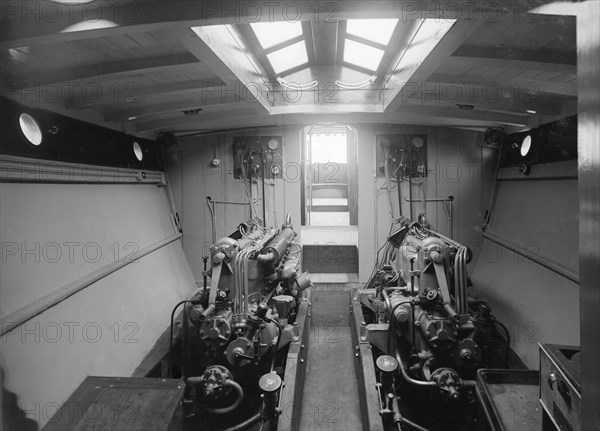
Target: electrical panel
407,155
257,157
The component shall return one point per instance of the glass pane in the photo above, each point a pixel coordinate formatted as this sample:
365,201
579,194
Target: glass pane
329,148
288,57
375,30
362,55
272,33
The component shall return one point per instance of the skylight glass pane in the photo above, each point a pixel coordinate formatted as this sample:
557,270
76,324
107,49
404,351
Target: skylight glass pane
362,55
375,30
272,33
288,57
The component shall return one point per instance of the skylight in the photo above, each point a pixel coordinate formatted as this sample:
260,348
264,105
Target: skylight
376,30
289,57
362,55
273,33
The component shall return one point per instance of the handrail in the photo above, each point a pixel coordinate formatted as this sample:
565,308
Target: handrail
17,169
565,272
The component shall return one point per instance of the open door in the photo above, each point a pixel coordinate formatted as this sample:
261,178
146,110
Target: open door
330,189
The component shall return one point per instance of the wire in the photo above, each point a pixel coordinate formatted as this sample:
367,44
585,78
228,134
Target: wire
507,357
171,332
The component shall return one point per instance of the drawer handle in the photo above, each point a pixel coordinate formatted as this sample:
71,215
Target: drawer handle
552,378
561,386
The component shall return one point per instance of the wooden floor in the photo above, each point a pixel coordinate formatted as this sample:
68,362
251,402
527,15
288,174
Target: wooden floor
330,401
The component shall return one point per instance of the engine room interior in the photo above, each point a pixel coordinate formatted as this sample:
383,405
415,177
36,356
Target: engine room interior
273,216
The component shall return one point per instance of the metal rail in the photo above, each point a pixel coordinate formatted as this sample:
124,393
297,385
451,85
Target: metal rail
37,307
534,257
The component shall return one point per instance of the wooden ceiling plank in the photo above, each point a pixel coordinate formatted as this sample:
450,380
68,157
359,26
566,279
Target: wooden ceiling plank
150,44
224,123
433,53
519,54
127,46
507,62
198,101
522,85
106,70
220,50
140,91
155,125
21,28
108,49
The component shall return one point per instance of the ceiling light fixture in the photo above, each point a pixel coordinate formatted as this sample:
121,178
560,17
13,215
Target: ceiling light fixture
356,86
296,86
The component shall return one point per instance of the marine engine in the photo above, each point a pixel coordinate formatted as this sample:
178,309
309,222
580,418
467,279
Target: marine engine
429,336
237,328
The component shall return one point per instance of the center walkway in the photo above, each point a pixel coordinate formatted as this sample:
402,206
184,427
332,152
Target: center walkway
330,400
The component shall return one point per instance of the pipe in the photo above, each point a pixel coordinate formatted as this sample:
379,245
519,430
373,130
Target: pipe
231,202
412,424
247,423
407,377
224,410
213,218
388,181
245,281
410,207
37,307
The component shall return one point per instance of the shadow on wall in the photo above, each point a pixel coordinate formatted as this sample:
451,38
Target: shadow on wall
13,418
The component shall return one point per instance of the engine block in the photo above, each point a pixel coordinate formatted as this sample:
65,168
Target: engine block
237,329
428,336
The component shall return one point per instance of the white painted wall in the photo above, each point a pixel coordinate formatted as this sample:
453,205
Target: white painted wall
105,329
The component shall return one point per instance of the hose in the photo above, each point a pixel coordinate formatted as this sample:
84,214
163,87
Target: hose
247,423
224,410
276,344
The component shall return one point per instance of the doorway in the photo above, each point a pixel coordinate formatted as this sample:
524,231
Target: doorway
330,202
330,177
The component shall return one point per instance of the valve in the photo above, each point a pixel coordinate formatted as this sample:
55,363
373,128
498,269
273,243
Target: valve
448,382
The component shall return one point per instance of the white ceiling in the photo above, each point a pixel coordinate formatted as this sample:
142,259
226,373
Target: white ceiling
181,67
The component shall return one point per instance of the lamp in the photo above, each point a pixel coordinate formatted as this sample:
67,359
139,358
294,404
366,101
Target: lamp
30,129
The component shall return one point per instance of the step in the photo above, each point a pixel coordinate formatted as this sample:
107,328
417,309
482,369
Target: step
330,258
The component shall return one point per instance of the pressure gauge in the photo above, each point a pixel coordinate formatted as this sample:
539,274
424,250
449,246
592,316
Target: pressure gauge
273,144
418,142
